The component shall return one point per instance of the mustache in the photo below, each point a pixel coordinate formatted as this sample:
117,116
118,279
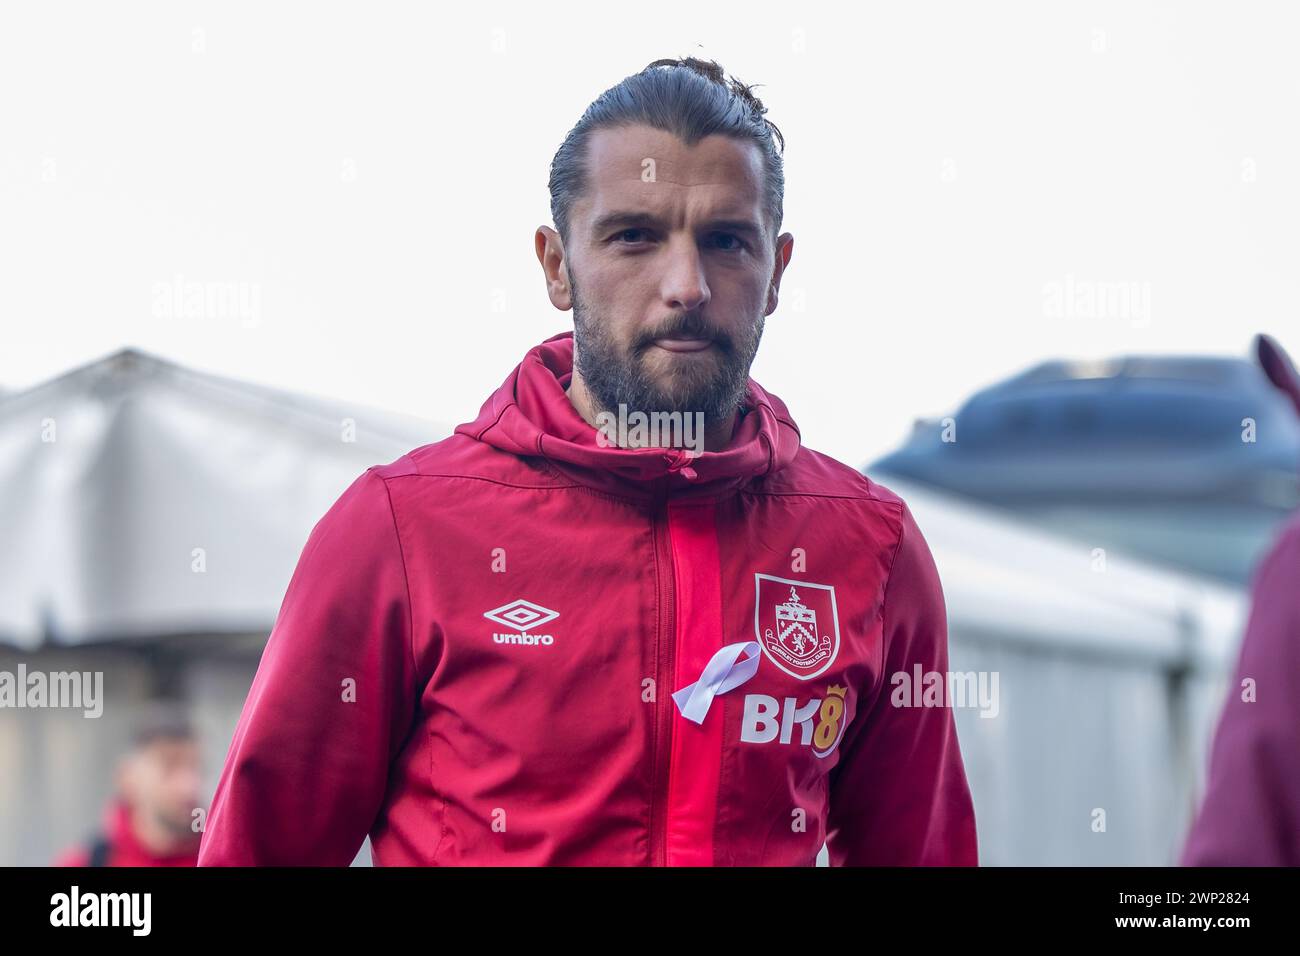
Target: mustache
687,326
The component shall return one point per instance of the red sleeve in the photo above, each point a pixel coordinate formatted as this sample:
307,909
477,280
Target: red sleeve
1251,812
898,796
77,856
306,771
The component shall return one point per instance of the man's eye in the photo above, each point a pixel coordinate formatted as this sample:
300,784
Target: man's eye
739,244
626,232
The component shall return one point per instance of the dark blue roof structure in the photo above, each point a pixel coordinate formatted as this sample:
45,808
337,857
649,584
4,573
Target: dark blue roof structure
1189,460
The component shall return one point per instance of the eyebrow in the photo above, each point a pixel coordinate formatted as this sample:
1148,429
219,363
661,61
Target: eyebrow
612,220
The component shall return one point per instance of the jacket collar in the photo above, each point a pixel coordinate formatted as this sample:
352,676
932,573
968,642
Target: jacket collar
127,846
531,415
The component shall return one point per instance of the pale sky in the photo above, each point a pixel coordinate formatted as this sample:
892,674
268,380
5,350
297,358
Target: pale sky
961,180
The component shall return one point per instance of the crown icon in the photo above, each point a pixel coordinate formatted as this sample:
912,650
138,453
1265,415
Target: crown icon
837,691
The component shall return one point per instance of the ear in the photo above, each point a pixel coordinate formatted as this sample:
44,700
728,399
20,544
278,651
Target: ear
550,253
784,249
124,779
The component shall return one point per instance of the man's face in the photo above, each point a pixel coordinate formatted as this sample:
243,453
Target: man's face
671,269
162,781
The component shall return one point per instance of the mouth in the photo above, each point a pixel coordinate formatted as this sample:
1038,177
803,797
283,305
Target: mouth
683,344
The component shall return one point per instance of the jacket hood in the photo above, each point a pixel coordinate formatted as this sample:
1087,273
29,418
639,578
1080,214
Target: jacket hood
531,415
1277,365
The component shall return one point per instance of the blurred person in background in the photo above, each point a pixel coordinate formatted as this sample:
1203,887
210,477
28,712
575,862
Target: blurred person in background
1250,815
150,820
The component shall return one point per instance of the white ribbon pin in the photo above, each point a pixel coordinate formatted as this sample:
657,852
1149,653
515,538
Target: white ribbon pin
723,673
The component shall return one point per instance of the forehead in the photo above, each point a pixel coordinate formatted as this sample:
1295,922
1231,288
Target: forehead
718,176
170,748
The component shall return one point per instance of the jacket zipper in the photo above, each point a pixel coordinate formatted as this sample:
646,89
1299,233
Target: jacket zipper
665,654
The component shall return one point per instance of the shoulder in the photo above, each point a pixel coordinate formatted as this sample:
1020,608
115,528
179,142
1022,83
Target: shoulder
74,856
1275,600
1284,553
461,457
816,474
813,474
371,515
881,516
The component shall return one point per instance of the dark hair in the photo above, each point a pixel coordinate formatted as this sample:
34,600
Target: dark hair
687,97
161,720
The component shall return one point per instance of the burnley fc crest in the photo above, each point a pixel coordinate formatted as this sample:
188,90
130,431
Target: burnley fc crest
797,624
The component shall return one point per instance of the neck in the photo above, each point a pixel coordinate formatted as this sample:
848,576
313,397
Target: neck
716,434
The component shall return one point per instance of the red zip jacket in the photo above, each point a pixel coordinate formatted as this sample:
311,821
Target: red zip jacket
121,847
477,656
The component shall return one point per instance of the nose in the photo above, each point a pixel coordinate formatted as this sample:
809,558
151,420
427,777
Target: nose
685,287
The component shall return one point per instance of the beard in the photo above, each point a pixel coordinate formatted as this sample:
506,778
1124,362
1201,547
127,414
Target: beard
614,375
176,822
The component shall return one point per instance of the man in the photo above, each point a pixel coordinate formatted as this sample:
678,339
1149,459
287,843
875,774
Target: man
546,640
1251,812
150,821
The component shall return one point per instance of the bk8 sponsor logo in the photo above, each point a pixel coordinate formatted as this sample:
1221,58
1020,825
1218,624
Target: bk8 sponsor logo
820,721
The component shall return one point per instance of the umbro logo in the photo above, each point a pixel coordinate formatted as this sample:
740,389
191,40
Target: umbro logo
526,616
522,614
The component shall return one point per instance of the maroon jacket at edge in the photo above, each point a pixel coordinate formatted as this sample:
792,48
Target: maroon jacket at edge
1250,814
